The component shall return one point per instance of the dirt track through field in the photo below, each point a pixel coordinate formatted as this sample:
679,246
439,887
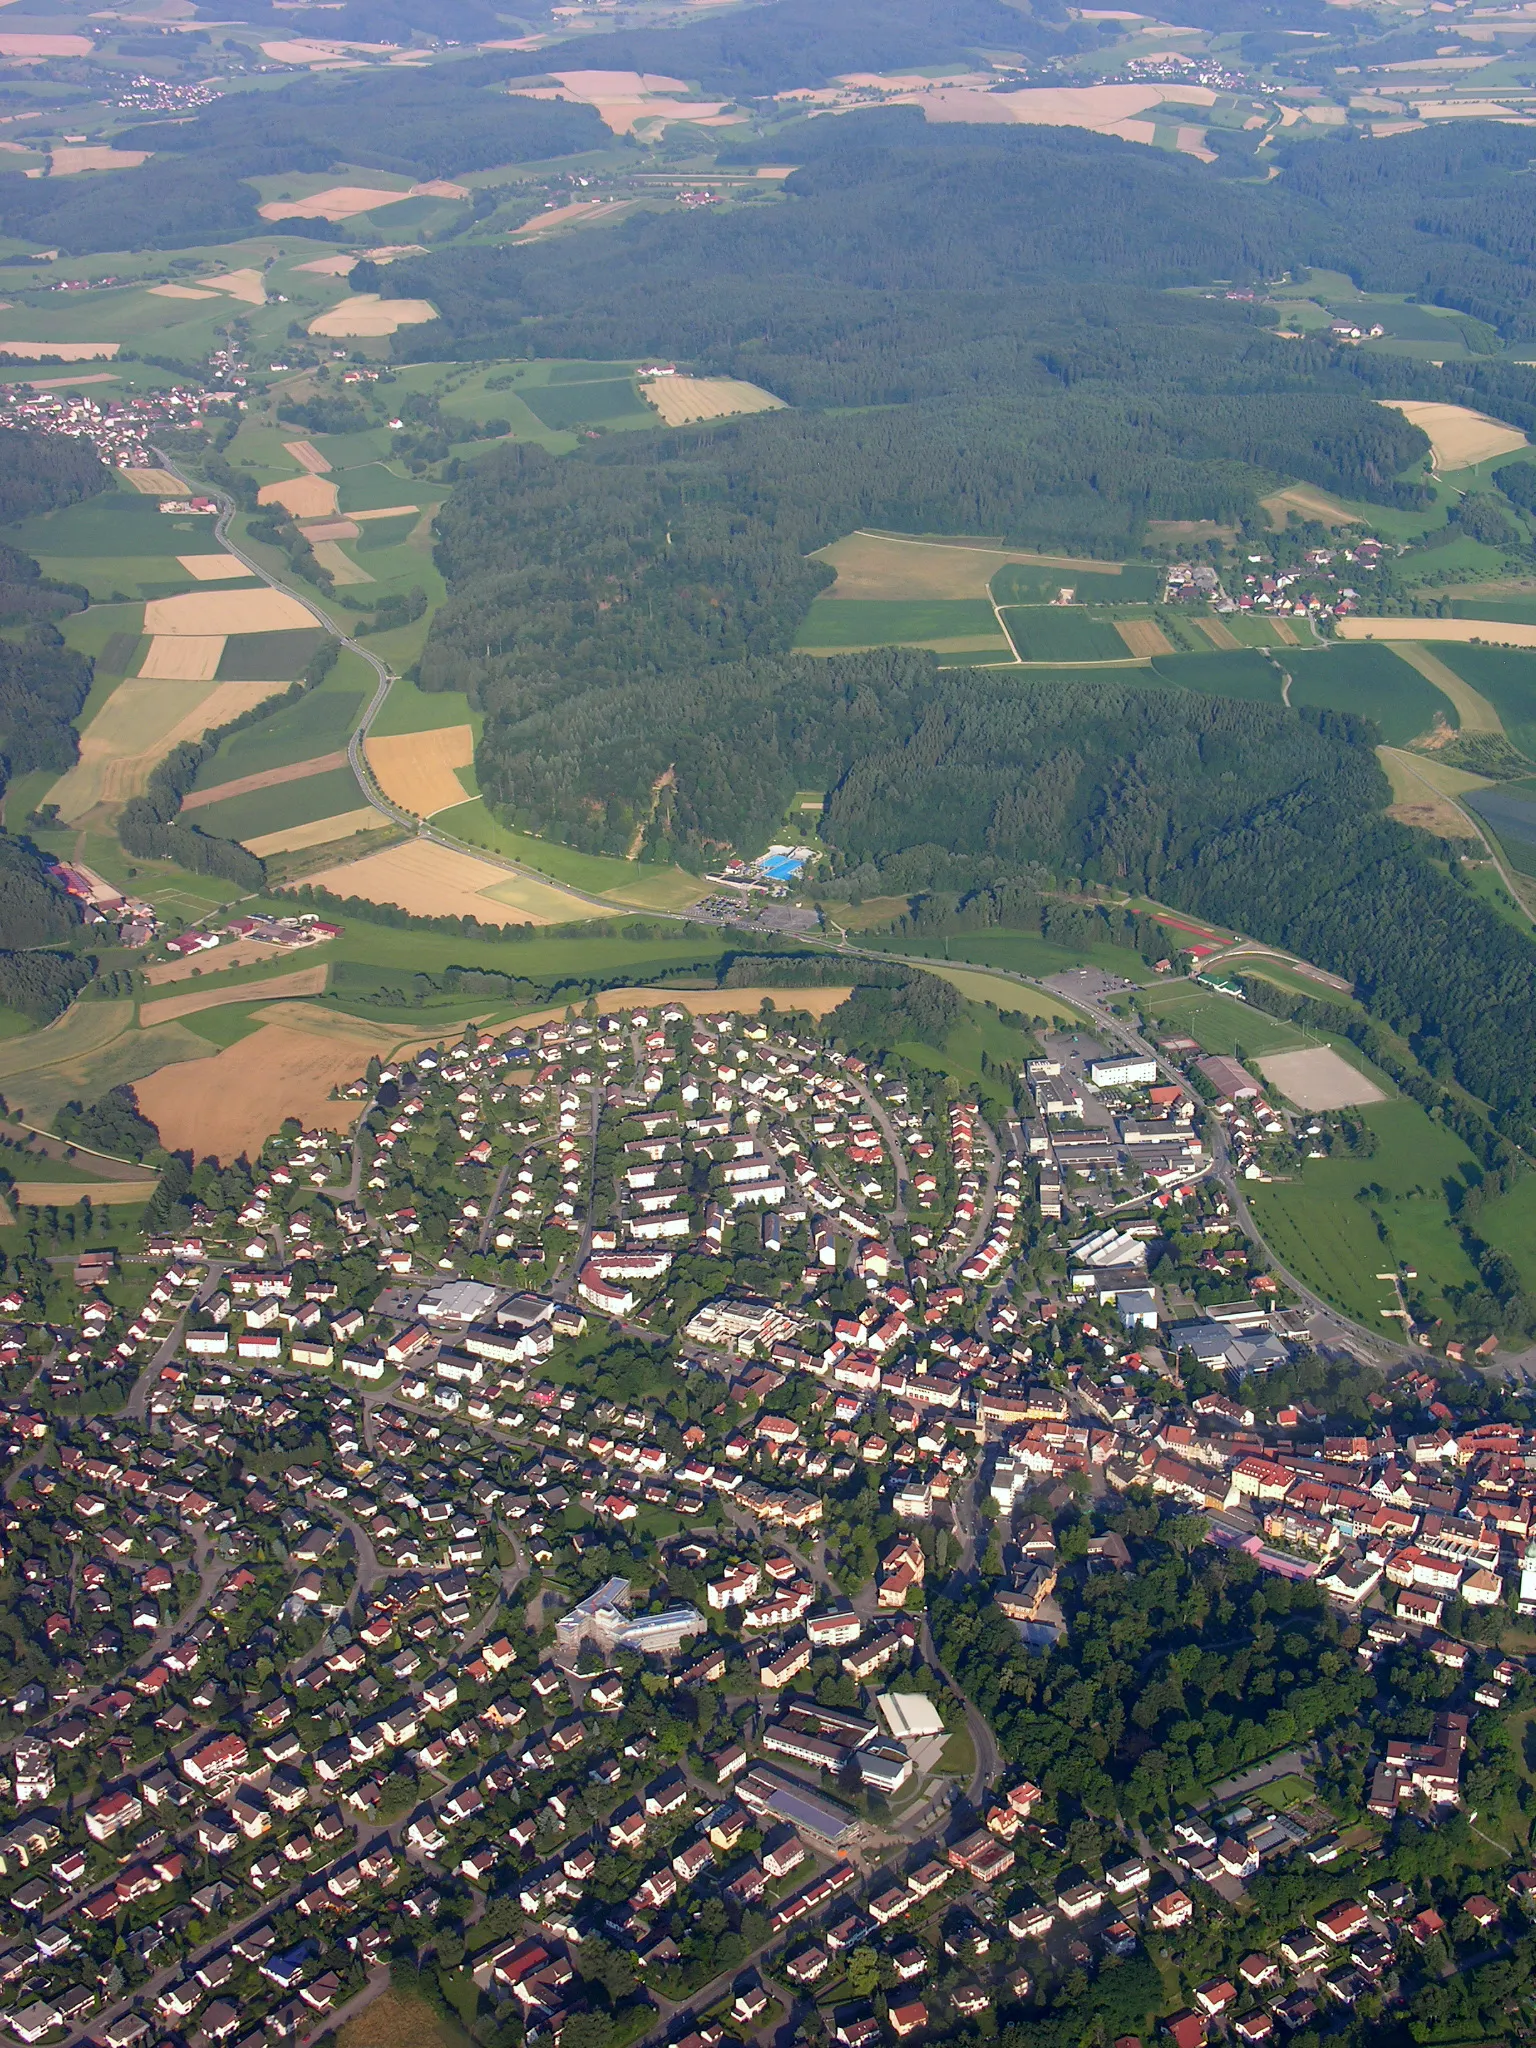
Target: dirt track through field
269,778
303,981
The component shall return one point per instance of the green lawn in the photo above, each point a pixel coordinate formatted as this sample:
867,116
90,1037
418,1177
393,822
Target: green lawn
880,622
1370,680
1336,1232
1063,633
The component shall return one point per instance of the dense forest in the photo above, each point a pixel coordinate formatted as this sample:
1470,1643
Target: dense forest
43,473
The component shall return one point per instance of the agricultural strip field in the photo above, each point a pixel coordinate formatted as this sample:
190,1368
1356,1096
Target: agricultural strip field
282,806
1220,1023
317,725
708,1002
947,626
270,778
1473,712
322,832
1508,809
434,881
1020,953
301,981
254,657
101,1194
1244,673
1310,504
137,727
877,565
227,611
1333,1230
224,959
1062,633
637,884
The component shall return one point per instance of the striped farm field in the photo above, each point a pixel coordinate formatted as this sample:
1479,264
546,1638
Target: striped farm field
302,981
1062,633
838,624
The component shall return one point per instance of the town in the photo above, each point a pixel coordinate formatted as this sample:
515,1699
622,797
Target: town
624,1528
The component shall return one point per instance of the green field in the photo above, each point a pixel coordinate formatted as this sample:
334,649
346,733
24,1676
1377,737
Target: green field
593,402
1368,679
1021,953
408,709
281,807
319,723
1506,676
834,622
1063,633
373,486
385,533
117,522
1518,610
1137,583
269,657
1336,1233
1246,674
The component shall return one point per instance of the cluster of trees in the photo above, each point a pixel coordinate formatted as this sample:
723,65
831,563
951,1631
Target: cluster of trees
42,985
43,686
33,912
113,1123
1215,1662
42,473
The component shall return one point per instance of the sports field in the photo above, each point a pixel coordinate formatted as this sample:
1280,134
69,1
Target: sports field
1317,1078
1336,1232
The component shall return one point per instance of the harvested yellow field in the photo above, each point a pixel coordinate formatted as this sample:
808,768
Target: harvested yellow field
46,46
226,611
320,833
682,400
231,1104
1285,632
307,456
183,658
1458,437
894,566
1496,632
1218,633
303,981
336,202
66,351
70,158
179,291
1307,503
341,567
366,314
305,497
570,216
434,881
137,727
1143,636
64,1194
331,529
213,568
386,512
248,285
416,769
329,266
153,483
